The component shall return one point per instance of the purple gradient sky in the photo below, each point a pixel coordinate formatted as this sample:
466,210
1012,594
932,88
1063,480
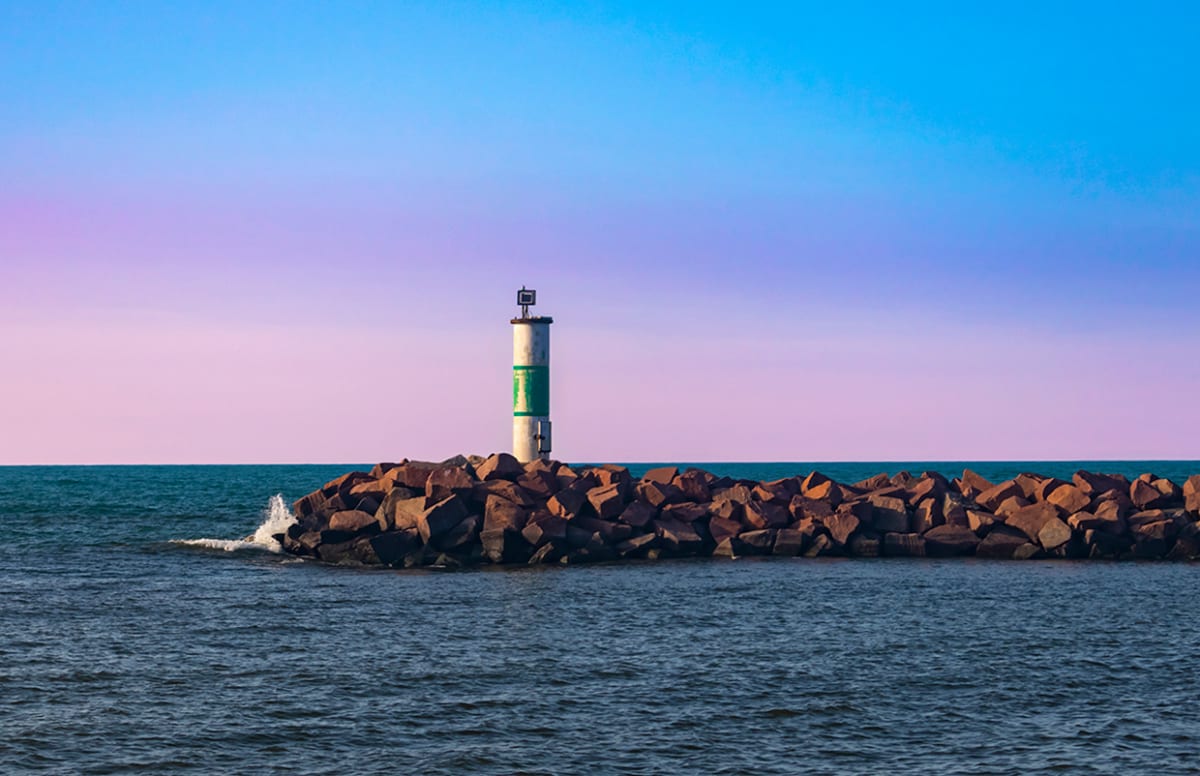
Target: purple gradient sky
293,235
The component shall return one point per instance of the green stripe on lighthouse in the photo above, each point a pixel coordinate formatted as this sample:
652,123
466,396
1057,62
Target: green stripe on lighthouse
531,391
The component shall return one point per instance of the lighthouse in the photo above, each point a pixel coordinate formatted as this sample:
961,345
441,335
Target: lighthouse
531,381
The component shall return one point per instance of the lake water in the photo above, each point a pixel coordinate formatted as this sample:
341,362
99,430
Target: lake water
124,649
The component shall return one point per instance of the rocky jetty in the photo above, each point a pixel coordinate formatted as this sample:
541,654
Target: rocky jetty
469,511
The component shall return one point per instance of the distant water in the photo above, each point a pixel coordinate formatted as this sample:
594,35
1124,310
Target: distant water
140,633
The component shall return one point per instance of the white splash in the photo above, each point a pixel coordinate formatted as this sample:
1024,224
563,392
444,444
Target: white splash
276,519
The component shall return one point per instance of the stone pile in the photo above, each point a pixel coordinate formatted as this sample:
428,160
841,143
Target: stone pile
468,511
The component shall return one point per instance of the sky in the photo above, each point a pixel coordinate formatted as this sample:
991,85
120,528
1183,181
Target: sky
292,232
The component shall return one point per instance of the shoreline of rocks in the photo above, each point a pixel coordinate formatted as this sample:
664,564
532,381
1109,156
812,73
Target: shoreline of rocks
470,511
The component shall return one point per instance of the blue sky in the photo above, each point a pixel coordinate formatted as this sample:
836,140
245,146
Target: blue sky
909,184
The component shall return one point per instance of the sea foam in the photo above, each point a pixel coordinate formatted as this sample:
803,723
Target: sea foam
276,520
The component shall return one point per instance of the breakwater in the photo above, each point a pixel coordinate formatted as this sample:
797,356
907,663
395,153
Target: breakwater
468,511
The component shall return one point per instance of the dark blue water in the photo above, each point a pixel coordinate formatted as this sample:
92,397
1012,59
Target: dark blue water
122,651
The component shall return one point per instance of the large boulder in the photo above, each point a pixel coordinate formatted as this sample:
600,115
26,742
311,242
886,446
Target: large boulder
950,540
440,517
607,501
638,514
657,494
1069,499
1002,542
500,514
678,538
1145,496
503,546
499,466
997,494
663,475
1054,534
567,502
400,510
353,521
544,527
897,544
889,514
841,527
693,484
1031,519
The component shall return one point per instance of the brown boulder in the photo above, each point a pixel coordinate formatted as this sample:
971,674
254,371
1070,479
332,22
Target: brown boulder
391,547
693,485
499,466
637,546
567,502
446,481
544,527
343,484
827,491
1069,499
927,515
438,519
721,529
1011,505
1094,485
841,527
657,494
788,542
757,515
413,474
677,537
802,506
975,481
1031,519
500,514
399,512
685,512
311,504
997,494
909,545
1054,534
863,545
820,545
509,491
756,542
945,541
663,475
1029,485
1144,495
607,501
1001,542
504,546
539,483
353,521
889,514
979,522
954,512
638,514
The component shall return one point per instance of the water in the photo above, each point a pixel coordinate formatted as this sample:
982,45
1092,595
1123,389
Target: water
126,645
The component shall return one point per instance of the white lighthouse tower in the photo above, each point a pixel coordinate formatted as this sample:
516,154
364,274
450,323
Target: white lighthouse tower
531,381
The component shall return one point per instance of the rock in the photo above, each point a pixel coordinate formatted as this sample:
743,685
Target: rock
539,483
370,489
1163,530
1027,551
506,490
504,546
757,515
1105,545
975,482
725,548
996,495
611,474
611,532
544,527
413,474
638,514
1054,534
820,545
663,475
1047,486
722,529
464,533
499,466
500,514
686,512
757,542
873,483
353,521
677,537
841,527
927,515
607,501
311,504
637,546
657,494
1030,485
1031,519
777,491
802,506
897,544
342,485
1145,496
889,515
1191,486
567,502
400,511
547,553
1093,485
954,512
1011,505
380,469
1001,543
979,522
440,517
945,541
392,546
693,485
446,481
1185,548
1112,514
1069,499
828,491
788,542
865,545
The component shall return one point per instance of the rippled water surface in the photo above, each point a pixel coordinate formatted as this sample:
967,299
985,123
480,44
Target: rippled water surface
122,651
